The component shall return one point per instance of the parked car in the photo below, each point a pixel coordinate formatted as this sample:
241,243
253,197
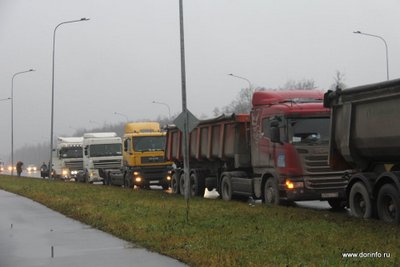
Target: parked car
31,168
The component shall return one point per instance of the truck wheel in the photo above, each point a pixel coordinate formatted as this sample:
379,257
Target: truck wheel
389,204
360,203
182,184
337,204
271,192
197,185
175,183
226,188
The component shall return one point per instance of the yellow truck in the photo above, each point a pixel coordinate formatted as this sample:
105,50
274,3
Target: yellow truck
144,163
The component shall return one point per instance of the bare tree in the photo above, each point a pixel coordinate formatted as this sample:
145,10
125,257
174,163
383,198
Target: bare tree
242,103
338,81
299,85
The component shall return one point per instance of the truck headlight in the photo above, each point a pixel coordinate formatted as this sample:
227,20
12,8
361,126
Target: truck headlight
290,185
136,173
64,172
138,179
168,178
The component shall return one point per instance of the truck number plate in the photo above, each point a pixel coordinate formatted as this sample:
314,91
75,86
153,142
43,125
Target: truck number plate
330,195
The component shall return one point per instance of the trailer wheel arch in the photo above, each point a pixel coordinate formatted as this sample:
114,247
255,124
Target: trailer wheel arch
386,178
365,178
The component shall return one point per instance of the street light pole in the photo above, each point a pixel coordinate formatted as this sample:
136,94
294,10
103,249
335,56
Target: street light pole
52,91
126,117
165,104
386,46
12,117
247,80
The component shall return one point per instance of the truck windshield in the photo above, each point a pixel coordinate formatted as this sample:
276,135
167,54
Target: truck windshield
105,150
309,130
149,143
71,152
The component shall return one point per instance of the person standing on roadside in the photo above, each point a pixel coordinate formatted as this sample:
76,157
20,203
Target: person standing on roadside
43,170
19,167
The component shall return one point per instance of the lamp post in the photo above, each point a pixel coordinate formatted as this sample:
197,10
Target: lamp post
121,114
52,89
12,117
386,47
247,80
165,104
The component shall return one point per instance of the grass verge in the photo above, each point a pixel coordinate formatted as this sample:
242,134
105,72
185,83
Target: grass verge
219,233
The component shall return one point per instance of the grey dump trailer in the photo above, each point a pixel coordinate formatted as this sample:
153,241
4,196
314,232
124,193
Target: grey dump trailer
365,141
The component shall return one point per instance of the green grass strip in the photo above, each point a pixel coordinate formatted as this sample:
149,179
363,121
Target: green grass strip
219,233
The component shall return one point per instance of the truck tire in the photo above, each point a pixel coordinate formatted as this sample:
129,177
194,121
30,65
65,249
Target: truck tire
360,202
226,188
389,204
271,192
182,184
197,184
175,183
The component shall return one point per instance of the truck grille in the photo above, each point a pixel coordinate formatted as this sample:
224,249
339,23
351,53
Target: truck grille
74,165
154,173
317,172
107,164
156,159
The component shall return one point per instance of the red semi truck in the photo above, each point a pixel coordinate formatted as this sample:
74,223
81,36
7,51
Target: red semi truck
278,153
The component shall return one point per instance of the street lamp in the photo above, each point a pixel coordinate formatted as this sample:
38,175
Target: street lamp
126,117
387,56
247,80
52,88
165,104
12,117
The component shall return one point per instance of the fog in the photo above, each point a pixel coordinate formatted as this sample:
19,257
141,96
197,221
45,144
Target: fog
127,56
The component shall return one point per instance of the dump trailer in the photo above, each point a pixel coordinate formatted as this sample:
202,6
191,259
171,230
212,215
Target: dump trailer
144,161
278,153
365,141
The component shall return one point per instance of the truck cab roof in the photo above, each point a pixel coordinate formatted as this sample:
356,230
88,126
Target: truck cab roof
261,98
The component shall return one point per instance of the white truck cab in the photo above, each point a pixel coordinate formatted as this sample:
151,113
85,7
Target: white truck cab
100,151
67,157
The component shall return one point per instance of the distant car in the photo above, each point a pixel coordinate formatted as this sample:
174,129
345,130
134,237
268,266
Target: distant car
9,168
31,168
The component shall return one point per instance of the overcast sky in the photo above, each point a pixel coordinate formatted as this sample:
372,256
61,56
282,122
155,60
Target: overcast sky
127,55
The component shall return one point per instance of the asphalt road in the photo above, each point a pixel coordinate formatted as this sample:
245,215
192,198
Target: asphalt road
33,235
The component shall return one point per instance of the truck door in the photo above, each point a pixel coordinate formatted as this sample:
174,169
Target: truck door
261,153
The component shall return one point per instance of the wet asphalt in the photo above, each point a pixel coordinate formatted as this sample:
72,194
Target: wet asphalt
34,235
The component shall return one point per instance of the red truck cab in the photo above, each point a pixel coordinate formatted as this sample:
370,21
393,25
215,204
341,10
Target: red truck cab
289,144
